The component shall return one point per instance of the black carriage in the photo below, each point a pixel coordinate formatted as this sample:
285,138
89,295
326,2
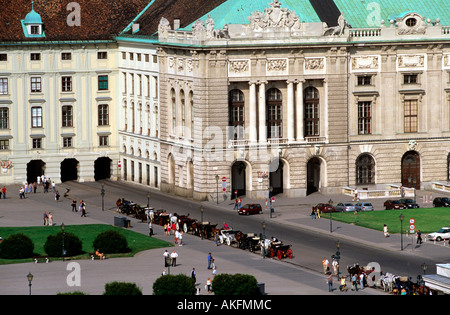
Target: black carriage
249,241
127,207
204,229
280,250
161,217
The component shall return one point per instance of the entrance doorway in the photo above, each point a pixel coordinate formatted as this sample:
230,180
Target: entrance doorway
276,177
35,168
238,179
69,170
411,170
313,175
102,168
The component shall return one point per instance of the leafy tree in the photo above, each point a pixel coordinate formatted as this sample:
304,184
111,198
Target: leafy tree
237,284
111,242
122,288
72,245
17,246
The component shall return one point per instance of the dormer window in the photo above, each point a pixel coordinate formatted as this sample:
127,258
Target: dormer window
32,25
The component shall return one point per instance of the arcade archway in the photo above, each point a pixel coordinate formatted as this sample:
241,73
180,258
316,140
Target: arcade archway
35,168
69,170
102,168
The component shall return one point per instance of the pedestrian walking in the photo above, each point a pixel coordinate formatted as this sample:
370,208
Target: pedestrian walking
325,265
4,192
236,204
50,219
174,257
419,237
83,208
208,286
74,205
57,195
165,256
210,260
335,266
194,275
313,214
45,218
343,286
361,281
150,229
385,231
330,282
354,283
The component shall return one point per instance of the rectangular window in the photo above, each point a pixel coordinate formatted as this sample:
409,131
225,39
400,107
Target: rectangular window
66,84
124,55
35,30
4,144
36,117
364,118
102,82
102,55
67,116
3,86
147,57
35,56
103,115
4,120
364,80
37,143
410,78
3,57
138,57
131,56
410,115
36,85
311,119
66,56
139,84
103,141
67,142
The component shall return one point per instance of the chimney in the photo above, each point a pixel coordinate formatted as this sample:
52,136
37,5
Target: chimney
135,27
176,24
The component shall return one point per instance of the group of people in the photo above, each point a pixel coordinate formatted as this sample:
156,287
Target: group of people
81,207
315,213
48,218
356,279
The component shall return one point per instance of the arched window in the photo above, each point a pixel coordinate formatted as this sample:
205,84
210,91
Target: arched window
174,110
236,114
191,113
311,102
365,169
183,112
274,114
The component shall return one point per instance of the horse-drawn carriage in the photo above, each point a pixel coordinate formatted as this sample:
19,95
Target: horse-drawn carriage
161,217
228,236
142,212
248,241
276,248
205,229
185,223
127,207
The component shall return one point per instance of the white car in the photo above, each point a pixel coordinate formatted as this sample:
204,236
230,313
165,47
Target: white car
442,234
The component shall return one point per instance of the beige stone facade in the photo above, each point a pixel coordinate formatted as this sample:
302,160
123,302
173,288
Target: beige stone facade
359,108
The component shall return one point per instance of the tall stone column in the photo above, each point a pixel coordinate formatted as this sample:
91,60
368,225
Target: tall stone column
252,113
290,111
299,112
262,112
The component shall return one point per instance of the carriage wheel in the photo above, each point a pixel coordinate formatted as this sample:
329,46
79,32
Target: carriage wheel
271,253
289,253
279,255
228,242
185,228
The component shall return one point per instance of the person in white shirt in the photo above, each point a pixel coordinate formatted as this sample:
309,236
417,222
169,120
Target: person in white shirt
174,256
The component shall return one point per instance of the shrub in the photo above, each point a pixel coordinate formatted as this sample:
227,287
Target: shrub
111,242
17,246
72,245
121,288
237,284
174,285
72,293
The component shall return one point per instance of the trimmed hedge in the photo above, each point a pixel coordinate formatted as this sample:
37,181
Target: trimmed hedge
122,288
174,285
16,246
237,284
72,245
111,242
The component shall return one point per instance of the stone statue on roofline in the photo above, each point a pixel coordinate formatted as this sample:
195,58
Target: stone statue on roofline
336,30
163,27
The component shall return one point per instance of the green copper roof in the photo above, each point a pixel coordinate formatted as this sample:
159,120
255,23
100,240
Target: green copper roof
238,11
32,18
369,13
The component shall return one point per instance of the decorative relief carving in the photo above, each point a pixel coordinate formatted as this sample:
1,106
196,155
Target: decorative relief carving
411,24
314,64
238,66
189,65
275,16
276,64
411,61
365,63
180,64
446,61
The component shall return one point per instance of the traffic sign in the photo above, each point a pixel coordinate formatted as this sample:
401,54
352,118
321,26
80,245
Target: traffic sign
224,179
412,221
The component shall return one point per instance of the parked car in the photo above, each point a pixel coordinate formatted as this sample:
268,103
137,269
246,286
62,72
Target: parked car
345,207
251,208
441,202
324,208
442,234
409,203
394,204
364,206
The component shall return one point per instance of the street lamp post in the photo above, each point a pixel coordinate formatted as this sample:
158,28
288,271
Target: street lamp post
63,228
263,239
401,217
30,278
330,202
202,209
103,197
217,188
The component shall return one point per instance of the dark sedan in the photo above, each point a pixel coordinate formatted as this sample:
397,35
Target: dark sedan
394,204
441,202
409,203
252,208
324,208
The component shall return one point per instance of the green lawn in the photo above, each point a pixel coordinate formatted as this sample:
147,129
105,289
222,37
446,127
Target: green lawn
427,220
87,233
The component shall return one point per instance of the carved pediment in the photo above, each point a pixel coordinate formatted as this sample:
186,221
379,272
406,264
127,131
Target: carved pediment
275,16
412,23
